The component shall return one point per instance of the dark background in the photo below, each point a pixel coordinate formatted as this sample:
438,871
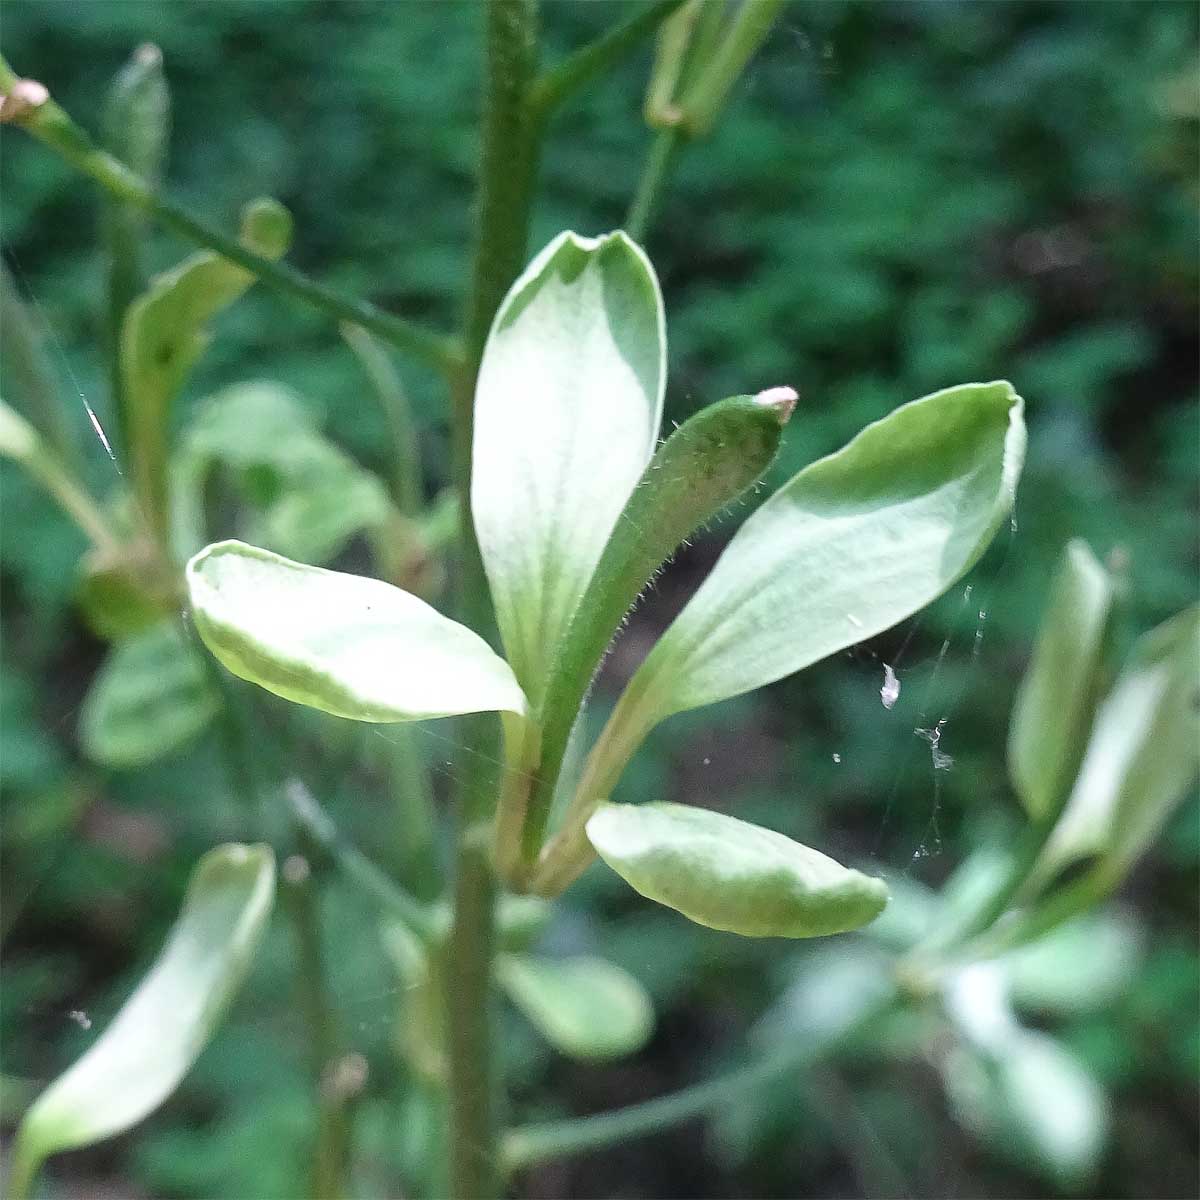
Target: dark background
898,197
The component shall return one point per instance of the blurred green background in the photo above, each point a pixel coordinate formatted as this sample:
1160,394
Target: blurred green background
898,197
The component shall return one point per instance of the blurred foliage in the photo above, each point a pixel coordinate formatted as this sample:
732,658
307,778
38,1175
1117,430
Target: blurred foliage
899,197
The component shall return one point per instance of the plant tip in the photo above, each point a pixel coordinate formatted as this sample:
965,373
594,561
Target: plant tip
25,96
148,55
781,399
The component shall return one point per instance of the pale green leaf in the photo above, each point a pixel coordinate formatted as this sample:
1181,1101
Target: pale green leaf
139,1060
165,331
1033,1102
853,544
567,409
586,1007
1057,699
1078,967
301,495
18,439
1021,1091
345,644
729,874
151,696
1142,756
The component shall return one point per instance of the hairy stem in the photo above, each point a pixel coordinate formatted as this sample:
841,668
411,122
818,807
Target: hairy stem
53,127
508,160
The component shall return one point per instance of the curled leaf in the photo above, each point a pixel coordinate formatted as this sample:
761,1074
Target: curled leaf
139,1060
1057,699
345,644
164,332
728,874
1142,756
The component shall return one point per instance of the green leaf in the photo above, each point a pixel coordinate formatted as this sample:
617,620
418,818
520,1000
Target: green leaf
1057,700
164,333
1142,756
348,645
729,874
567,409
302,495
139,1060
704,466
586,1007
150,696
853,544
136,130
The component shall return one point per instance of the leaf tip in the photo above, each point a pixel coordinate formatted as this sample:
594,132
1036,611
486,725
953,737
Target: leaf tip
781,400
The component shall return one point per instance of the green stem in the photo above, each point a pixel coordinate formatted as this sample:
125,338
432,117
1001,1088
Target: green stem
77,503
407,483
359,869
652,183
556,85
329,1157
540,1143
26,365
53,127
25,1161
507,165
996,905
1070,901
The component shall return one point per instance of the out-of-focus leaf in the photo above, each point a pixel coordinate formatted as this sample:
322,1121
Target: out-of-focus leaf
302,495
833,988
164,333
702,101
125,589
587,1007
150,696
1033,1100
1021,1091
345,644
520,920
139,1060
1077,967
1142,756
567,409
728,874
853,544
136,129
1057,699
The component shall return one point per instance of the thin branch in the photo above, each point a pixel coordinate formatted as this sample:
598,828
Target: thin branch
577,70
532,1144
356,866
652,183
52,126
